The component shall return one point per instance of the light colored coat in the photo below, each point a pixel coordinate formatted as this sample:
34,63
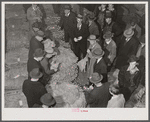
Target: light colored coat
116,101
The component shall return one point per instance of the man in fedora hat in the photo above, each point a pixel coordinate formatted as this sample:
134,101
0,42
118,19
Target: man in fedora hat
36,40
93,27
129,77
97,64
34,14
33,89
128,46
67,22
112,26
47,101
81,34
35,62
109,49
99,95
93,45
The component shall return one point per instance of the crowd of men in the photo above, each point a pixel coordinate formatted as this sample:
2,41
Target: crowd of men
100,44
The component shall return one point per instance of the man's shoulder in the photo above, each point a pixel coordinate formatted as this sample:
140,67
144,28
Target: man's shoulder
112,43
72,14
29,9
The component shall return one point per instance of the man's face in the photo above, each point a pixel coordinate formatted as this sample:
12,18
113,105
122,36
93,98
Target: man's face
35,29
133,65
108,20
34,6
66,12
92,42
90,21
79,20
103,6
107,40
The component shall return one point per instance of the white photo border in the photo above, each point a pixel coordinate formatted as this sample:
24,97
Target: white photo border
16,114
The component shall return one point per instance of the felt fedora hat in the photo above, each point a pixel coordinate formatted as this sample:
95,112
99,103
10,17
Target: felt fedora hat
67,7
96,78
91,38
97,53
39,53
47,99
91,16
35,73
128,33
79,16
107,35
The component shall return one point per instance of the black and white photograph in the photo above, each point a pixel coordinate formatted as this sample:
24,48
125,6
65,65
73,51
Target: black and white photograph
75,60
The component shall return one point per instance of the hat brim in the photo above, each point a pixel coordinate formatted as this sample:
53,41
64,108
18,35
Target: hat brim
41,74
128,35
92,81
40,55
107,37
79,17
91,39
98,55
48,103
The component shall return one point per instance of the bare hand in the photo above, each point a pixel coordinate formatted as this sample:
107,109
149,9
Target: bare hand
75,39
88,51
80,37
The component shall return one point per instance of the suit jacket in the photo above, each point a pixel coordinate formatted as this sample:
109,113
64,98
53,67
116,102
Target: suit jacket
32,63
126,49
110,50
92,48
93,29
124,78
33,92
114,28
45,64
68,23
99,96
101,68
34,44
84,32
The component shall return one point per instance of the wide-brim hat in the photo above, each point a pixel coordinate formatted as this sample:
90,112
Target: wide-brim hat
91,16
92,38
133,58
79,16
39,53
96,78
47,99
128,33
35,73
37,25
107,35
97,53
67,7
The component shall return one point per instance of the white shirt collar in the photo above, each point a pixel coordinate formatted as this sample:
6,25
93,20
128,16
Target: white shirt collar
108,42
99,59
